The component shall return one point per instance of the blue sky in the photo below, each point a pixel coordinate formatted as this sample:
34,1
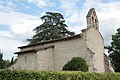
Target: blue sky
19,17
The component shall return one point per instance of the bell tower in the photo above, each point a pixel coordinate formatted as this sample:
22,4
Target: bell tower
92,20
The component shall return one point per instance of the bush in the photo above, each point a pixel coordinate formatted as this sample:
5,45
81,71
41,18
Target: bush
76,64
42,75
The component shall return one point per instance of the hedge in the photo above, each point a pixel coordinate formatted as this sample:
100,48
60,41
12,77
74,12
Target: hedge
42,75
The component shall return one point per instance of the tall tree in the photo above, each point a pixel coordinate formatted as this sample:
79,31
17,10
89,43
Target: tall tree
7,63
12,61
2,62
53,27
114,51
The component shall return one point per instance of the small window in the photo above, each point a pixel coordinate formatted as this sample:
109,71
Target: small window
94,13
92,19
95,21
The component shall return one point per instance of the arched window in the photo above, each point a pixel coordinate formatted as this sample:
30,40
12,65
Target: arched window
95,21
92,19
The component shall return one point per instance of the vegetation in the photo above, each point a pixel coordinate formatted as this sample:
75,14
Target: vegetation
42,75
4,63
12,60
114,51
76,64
53,27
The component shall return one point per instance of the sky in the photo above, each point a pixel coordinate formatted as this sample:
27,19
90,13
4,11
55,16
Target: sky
18,18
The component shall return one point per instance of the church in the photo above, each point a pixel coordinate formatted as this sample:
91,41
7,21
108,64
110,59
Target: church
52,55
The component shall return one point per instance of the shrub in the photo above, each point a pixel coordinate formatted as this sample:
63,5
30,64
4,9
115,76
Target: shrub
76,64
44,75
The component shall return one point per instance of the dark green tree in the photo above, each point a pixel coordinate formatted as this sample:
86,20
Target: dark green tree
12,60
7,63
76,64
2,62
114,51
53,27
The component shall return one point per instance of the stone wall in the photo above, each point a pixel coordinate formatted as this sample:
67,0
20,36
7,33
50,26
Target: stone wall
95,43
63,52
25,61
45,60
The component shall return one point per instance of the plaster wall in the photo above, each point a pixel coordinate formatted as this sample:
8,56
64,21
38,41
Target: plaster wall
95,42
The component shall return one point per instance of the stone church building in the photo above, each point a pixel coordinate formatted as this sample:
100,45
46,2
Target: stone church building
54,54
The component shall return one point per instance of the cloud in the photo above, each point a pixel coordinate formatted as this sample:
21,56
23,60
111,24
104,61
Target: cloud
108,15
6,34
20,24
24,30
9,46
25,26
41,3
6,5
69,7
12,17
74,18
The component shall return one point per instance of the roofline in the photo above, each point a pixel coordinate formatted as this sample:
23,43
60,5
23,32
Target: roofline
35,50
32,50
52,41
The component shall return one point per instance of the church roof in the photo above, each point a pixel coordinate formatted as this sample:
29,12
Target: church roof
35,49
52,41
90,12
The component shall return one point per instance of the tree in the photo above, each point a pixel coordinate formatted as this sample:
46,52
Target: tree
2,62
53,27
114,51
7,63
12,60
76,64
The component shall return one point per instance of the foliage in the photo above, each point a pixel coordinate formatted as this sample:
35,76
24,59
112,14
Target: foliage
76,64
114,51
7,63
42,75
12,60
53,27
3,63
